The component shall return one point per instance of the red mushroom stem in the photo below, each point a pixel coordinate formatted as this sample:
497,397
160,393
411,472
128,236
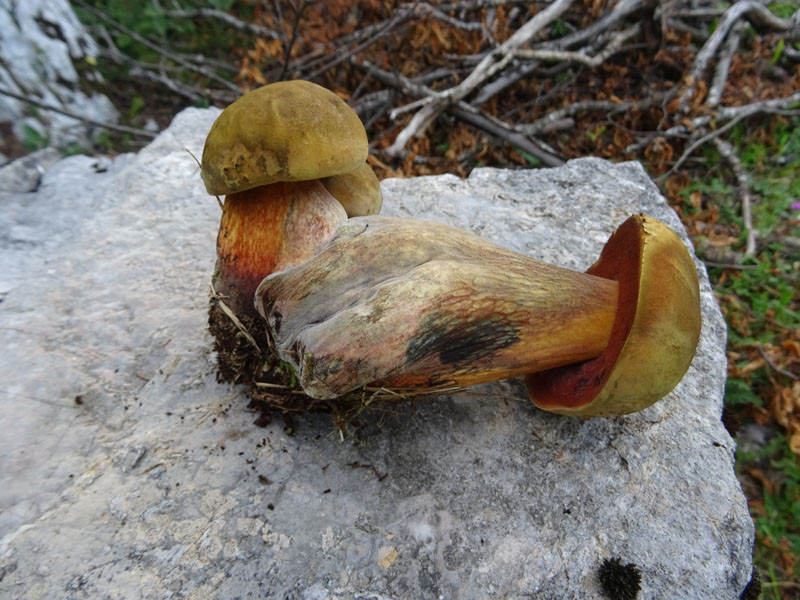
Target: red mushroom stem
268,229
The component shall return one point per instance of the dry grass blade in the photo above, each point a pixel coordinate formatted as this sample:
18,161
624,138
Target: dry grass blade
235,320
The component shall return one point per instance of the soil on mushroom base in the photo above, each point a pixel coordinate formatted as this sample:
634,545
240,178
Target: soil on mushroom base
272,387
237,360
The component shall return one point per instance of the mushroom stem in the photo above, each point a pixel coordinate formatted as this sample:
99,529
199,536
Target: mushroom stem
267,229
406,303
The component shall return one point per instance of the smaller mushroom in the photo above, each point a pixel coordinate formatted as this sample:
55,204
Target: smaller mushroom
411,304
268,153
359,191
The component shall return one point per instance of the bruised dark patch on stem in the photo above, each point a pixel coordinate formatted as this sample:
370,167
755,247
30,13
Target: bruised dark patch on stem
461,342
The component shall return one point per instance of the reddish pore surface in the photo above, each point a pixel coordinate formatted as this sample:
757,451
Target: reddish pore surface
577,385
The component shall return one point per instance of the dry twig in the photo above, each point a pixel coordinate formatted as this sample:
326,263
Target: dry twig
234,319
723,66
139,70
743,188
758,14
581,57
229,20
163,51
488,67
775,367
467,113
76,116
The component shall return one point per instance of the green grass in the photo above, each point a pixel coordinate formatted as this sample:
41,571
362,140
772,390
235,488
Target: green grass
777,515
761,306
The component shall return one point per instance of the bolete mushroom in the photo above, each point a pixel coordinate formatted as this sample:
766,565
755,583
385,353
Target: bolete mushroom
268,152
411,304
358,191
655,332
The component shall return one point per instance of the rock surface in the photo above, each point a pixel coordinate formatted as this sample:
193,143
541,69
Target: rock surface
39,41
127,471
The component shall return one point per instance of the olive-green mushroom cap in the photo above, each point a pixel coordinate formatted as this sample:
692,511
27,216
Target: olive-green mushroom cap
359,191
286,131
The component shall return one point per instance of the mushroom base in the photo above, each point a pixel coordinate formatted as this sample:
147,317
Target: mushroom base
272,386
237,360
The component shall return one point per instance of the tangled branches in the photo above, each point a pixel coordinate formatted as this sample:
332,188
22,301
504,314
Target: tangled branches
443,86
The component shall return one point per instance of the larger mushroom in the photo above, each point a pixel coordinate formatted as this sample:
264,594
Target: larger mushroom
410,304
269,153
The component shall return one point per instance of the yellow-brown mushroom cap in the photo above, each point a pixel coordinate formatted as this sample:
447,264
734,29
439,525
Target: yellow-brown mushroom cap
286,131
655,332
359,191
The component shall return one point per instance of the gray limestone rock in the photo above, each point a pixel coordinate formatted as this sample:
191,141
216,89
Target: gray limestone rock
25,174
126,471
39,41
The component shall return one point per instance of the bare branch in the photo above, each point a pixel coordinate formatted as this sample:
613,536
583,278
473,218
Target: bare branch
230,20
466,113
376,31
138,72
471,115
775,367
759,15
163,51
698,13
791,53
723,114
724,65
395,80
76,116
546,123
508,78
141,70
765,106
217,64
591,33
593,62
478,4
387,28
488,67
622,10
743,188
287,50
400,110
702,140
444,18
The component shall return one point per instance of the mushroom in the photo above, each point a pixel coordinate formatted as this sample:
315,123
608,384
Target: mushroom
655,333
268,153
358,191
410,304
